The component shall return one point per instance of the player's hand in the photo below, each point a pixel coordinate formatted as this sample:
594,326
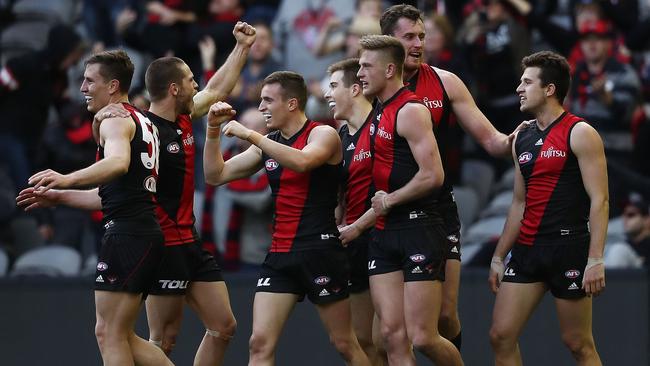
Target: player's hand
522,125
30,199
235,129
219,113
113,110
380,203
348,233
593,280
244,34
208,49
48,179
496,273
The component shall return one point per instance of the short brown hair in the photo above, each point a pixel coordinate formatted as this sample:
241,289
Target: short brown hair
350,67
160,74
293,86
554,69
390,46
114,65
390,17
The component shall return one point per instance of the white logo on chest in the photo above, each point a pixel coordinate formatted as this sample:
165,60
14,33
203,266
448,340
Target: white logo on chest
552,152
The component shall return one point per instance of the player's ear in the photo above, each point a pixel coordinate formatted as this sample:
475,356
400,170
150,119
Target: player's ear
292,104
113,86
355,90
173,89
391,69
550,89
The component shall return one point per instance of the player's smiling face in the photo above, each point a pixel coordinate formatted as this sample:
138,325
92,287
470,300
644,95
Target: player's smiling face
372,72
95,88
273,106
338,96
411,35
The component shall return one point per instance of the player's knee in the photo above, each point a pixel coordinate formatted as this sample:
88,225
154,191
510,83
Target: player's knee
448,317
423,340
343,344
100,333
225,332
260,345
500,338
579,345
392,337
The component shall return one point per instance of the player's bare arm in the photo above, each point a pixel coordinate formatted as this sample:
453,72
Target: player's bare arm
115,136
350,232
30,199
242,165
510,228
587,146
221,84
470,117
323,147
414,124
110,111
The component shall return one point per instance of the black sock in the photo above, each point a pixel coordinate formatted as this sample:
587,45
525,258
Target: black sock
458,340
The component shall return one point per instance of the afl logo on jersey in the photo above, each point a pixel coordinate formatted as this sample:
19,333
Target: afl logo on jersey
271,165
322,280
150,184
572,273
525,157
173,148
417,258
372,129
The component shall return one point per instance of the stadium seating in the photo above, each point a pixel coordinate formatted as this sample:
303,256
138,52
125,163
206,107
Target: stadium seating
52,260
485,229
467,202
478,175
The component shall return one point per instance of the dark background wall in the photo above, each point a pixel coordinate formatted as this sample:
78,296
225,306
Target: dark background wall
50,322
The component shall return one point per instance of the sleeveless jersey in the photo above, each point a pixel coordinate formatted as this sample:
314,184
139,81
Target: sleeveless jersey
557,205
130,196
303,203
394,165
175,190
356,172
427,85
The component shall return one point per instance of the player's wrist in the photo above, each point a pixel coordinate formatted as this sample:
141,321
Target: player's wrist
594,261
254,137
212,132
386,205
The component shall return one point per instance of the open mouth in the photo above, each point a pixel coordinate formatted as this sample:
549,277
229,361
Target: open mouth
267,116
331,104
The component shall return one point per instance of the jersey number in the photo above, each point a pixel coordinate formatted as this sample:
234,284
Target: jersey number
150,158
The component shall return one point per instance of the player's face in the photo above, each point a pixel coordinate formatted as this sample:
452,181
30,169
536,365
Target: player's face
338,96
531,93
187,91
273,106
632,221
372,72
411,34
95,88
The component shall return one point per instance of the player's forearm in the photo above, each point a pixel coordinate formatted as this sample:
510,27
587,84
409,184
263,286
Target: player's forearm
81,199
213,162
422,183
222,82
498,145
510,229
289,157
366,221
103,171
598,216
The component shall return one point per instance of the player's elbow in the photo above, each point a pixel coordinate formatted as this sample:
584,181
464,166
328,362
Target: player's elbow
212,178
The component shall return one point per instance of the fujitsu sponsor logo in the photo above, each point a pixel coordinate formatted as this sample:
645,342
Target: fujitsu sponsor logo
552,152
363,154
383,134
432,104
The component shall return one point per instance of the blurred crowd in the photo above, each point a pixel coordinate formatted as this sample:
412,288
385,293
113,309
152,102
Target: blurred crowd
44,123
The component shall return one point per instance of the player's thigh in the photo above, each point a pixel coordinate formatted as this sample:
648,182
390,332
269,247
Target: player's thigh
514,304
117,310
387,291
451,285
574,316
363,313
336,317
270,312
422,300
210,300
163,310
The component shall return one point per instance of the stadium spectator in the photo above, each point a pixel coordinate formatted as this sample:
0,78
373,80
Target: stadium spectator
632,253
604,91
29,85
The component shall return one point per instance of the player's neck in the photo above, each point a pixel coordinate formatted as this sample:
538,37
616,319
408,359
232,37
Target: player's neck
548,114
293,124
359,115
119,98
392,87
164,110
408,74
